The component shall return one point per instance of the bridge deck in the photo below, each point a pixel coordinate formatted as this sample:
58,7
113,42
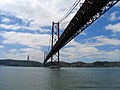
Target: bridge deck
86,12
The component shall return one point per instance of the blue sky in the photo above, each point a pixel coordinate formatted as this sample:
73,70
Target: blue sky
25,28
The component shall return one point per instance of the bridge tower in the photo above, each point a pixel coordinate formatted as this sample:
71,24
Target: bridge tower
55,37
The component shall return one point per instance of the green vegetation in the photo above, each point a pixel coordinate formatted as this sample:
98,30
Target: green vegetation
24,63
83,64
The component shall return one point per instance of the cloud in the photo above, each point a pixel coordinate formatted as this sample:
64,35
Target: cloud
95,42
113,27
16,56
73,43
27,39
15,23
13,50
118,4
35,54
114,17
88,54
102,41
77,51
6,20
41,11
80,50
89,50
11,27
15,27
1,46
21,54
11,54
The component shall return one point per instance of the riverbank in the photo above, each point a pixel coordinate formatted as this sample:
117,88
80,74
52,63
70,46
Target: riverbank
25,63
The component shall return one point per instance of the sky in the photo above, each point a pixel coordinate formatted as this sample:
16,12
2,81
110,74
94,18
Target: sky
25,28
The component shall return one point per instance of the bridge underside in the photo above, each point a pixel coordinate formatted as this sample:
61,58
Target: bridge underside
90,11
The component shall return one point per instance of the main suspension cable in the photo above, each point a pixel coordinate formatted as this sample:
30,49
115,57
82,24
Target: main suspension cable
70,10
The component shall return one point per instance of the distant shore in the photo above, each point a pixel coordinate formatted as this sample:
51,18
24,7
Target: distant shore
22,63
25,63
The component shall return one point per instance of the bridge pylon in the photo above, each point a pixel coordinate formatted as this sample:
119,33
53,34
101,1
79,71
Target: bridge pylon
55,36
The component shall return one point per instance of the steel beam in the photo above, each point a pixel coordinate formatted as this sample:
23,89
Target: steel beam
89,12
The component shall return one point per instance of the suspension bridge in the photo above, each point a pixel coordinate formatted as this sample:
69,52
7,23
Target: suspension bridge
89,11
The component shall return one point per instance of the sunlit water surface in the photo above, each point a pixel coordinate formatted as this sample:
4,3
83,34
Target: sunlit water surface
31,78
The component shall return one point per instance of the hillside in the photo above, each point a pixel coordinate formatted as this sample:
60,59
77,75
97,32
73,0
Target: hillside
9,62
24,63
83,64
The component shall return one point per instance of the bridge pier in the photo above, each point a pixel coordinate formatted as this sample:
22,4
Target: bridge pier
55,36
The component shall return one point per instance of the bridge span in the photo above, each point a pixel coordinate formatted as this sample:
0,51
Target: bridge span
90,11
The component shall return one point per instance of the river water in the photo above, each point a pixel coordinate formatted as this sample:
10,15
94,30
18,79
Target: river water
32,78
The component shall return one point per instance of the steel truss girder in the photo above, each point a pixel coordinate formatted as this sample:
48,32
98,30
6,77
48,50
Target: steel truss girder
94,18
88,13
